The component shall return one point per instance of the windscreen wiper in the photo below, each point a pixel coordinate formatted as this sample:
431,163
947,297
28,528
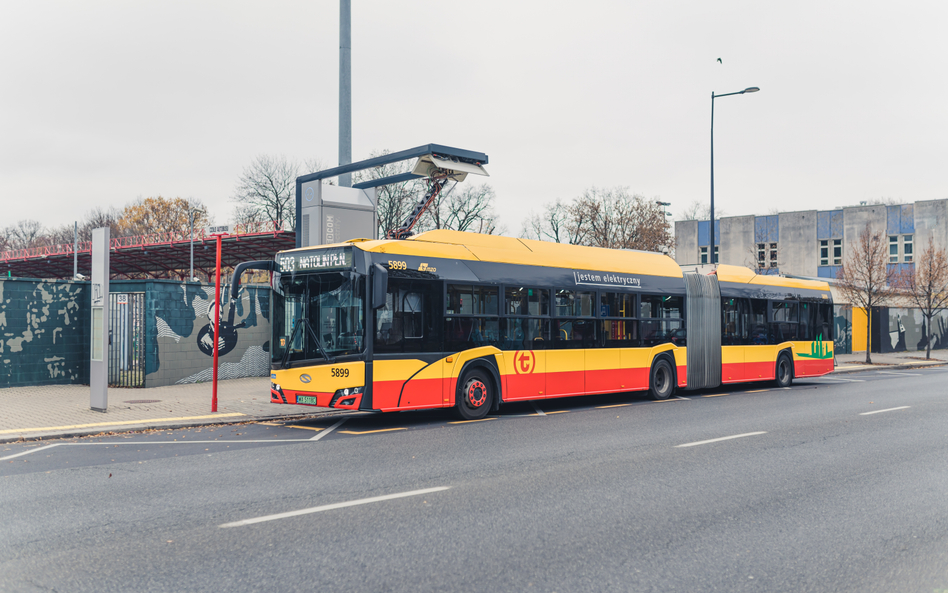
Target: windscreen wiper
303,321
318,345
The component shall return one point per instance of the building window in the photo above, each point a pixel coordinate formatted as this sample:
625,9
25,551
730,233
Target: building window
773,255
761,255
716,247
837,257
907,251
704,255
893,249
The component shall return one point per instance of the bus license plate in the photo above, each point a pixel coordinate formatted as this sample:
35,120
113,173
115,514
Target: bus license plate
306,399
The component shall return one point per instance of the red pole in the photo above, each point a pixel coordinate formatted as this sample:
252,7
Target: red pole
217,323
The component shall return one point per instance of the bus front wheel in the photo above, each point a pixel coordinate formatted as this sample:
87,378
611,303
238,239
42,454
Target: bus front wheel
475,397
661,380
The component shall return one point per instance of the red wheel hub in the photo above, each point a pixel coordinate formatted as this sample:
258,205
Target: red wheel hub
476,393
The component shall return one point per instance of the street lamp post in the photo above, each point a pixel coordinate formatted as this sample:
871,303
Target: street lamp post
663,205
752,89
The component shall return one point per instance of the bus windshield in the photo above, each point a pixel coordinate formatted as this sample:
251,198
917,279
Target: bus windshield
317,316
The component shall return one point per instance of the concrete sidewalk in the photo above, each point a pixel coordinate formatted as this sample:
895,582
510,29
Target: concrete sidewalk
57,411
850,363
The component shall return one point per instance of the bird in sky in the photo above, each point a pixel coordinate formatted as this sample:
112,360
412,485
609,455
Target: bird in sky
719,61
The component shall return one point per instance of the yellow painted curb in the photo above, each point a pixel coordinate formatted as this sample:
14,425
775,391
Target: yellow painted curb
103,424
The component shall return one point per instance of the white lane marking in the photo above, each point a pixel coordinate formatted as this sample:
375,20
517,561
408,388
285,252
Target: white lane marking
537,408
328,430
184,442
736,436
28,451
330,507
899,374
886,410
684,398
841,379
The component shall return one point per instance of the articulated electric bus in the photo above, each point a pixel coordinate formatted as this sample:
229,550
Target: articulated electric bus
448,319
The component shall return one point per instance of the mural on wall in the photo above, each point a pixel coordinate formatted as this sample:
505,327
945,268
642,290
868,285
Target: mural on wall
43,333
842,329
184,336
907,330
227,330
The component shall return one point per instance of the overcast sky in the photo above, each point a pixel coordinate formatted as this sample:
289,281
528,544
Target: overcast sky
102,101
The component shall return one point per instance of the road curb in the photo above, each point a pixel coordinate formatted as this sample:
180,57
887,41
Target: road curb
878,367
129,428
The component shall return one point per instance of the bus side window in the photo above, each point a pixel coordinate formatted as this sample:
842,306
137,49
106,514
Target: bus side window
731,322
759,330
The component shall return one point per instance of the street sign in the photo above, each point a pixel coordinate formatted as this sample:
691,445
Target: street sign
223,229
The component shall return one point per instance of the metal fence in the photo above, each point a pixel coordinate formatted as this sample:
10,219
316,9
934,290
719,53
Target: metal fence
127,339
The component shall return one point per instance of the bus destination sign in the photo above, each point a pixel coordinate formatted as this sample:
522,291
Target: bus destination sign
333,258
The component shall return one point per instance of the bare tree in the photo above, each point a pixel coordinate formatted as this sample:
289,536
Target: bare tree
616,219
266,191
394,201
468,208
927,285
553,224
865,279
23,235
701,210
100,217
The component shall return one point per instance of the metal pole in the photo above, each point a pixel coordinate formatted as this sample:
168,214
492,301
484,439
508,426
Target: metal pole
711,247
191,216
217,323
345,89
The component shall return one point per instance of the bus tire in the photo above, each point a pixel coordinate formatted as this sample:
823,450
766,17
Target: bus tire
661,384
784,370
475,395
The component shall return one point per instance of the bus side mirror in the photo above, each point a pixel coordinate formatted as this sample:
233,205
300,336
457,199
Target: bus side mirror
379,286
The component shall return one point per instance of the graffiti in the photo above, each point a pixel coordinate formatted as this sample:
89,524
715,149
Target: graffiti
842,329
43,332
227,336
184,334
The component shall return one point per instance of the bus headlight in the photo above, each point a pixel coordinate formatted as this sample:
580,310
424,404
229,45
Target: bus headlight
346,396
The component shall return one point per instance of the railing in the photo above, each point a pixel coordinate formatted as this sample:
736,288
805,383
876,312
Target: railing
250,228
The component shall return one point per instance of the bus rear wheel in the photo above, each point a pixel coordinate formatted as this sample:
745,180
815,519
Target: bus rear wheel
661,383
784,376
475,396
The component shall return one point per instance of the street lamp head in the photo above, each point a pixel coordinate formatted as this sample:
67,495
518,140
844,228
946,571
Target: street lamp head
752,89
660,203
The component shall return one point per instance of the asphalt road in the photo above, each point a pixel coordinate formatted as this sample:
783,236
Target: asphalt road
833,485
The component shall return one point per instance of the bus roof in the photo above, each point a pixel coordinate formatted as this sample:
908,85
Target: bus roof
742,275
495,248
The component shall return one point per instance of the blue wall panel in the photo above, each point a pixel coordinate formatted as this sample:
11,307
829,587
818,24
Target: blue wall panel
907,225
893,219
704,233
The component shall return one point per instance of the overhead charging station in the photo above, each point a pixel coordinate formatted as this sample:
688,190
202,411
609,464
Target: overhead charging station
332,214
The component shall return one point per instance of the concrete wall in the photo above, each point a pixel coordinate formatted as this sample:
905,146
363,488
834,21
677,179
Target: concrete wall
931,219
686,242
737,241
854,222
44,332
798,249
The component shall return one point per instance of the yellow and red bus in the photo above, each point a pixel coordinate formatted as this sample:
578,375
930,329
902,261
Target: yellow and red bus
459,320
